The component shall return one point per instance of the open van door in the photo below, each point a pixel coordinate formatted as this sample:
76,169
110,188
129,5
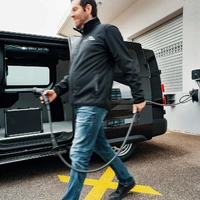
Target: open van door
151,121
28,61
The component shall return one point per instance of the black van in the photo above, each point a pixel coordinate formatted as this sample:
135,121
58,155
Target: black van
28,61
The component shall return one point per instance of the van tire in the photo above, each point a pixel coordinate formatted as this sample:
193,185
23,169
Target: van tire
127,151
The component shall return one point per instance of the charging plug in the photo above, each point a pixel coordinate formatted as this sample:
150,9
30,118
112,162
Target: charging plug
39,91
195,94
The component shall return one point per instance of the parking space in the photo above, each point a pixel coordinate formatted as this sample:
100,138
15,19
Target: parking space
165,168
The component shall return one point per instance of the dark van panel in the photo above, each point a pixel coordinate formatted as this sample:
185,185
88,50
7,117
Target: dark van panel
27,61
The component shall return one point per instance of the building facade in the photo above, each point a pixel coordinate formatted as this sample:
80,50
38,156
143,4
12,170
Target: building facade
171,28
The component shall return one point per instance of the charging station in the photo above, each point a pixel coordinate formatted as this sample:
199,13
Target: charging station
196,92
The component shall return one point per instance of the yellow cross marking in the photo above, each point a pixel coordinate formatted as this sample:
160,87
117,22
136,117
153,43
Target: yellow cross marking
100,186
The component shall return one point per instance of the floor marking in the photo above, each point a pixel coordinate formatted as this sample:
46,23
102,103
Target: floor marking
167,132
105,182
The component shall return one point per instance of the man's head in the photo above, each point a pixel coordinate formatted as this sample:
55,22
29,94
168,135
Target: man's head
82,11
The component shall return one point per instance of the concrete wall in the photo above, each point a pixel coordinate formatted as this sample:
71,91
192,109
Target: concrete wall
147,14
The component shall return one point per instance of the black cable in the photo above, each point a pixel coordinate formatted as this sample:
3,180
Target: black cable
198,82
56,147
189,98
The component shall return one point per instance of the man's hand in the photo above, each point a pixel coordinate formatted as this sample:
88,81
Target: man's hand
138,107
51,94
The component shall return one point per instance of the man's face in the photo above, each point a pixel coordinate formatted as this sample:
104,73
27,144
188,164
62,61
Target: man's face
78,14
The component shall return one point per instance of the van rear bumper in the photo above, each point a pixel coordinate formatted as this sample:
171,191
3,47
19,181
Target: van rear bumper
159,127
139,133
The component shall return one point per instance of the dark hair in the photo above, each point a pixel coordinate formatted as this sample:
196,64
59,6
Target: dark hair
83,4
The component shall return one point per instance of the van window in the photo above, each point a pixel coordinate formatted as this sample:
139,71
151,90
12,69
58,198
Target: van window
28,75
134,56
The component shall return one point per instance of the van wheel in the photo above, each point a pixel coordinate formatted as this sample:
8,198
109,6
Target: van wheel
126,152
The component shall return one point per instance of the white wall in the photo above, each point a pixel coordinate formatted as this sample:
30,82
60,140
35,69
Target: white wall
191,40
147,14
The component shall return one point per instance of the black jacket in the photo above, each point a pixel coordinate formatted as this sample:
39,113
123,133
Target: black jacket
93,58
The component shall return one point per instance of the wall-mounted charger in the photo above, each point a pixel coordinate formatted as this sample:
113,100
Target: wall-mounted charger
196,74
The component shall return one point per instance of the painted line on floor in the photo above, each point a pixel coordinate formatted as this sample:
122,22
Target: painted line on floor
105,182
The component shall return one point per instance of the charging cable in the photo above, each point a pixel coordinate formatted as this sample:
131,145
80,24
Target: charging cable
55,144
187,97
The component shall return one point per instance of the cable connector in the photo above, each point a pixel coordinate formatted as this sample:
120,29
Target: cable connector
195,95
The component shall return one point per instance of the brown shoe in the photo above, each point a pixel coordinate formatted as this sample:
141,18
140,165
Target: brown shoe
121,192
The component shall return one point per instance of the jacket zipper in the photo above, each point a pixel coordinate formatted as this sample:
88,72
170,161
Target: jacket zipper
71,81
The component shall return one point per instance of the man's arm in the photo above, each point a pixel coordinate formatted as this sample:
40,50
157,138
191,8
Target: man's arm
62,87
123,59
57,90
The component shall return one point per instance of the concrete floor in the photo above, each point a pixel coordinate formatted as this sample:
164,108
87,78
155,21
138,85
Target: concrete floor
169,165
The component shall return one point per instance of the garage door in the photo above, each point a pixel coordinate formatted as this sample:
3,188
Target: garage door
166,41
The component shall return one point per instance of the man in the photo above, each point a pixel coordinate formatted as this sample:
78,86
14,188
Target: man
89,83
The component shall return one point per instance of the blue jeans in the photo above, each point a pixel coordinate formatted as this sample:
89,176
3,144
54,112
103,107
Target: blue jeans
89,136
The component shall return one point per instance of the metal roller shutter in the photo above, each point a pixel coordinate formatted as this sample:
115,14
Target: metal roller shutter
166,41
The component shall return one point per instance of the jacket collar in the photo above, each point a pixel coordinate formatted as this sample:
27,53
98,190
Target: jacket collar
89,25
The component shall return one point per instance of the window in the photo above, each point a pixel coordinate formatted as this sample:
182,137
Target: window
27,75
134,56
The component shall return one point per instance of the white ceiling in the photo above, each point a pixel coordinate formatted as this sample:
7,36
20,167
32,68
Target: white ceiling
39,17
108,10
